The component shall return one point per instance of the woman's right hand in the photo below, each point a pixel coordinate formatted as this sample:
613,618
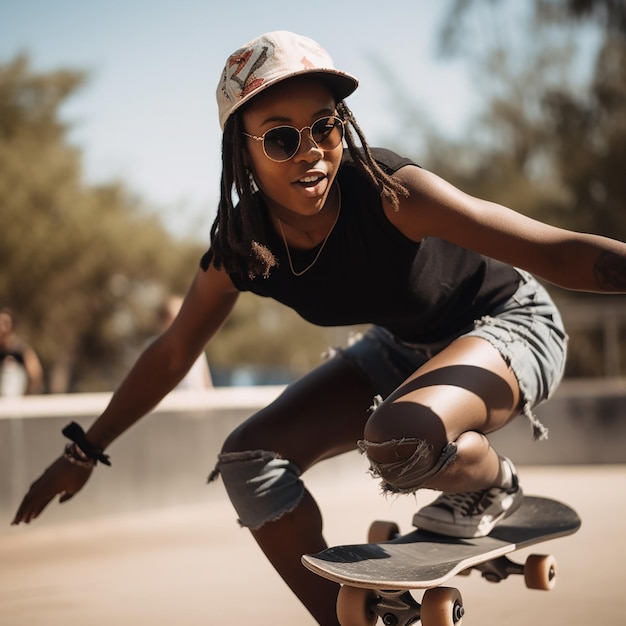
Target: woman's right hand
61,478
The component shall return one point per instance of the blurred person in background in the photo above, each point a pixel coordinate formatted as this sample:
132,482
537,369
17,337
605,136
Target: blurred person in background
21,372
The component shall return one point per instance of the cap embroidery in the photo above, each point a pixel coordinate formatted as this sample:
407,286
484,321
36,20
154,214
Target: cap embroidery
241,60
270,58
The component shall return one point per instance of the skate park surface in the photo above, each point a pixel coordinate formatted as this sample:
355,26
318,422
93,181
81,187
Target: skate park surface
192,564
148,540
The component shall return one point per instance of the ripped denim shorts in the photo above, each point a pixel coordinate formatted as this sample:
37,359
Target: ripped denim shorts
527,330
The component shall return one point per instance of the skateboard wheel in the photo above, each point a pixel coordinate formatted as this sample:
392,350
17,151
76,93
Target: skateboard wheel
540,572
380,531
442,606
354,606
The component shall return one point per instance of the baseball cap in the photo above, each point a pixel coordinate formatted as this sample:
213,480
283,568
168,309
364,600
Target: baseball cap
271,58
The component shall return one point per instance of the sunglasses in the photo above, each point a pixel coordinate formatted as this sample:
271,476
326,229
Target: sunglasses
282,143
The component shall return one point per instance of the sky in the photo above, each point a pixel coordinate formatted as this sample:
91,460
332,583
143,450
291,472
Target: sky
147,115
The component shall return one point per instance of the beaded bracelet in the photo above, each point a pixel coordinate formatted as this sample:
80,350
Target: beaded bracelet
74,455
82,451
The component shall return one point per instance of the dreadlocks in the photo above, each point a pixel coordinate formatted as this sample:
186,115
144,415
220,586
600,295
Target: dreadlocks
388,187
237,228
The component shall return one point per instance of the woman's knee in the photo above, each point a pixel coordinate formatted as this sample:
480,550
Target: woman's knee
251,434
412,455
406,445
239,440
416,463
396,426
261,484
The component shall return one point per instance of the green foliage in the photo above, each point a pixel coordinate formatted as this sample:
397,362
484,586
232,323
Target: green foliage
262,332
75,257
86,266
550,140
548,144
589,147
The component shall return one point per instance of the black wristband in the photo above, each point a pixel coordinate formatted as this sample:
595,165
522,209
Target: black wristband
75,433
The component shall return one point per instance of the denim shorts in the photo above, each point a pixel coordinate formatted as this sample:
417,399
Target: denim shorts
527,330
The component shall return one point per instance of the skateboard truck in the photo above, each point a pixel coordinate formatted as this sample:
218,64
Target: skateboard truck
499,569
397,608
539,571
363,607
401,609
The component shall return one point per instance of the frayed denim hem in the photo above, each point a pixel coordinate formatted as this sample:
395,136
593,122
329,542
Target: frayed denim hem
411,474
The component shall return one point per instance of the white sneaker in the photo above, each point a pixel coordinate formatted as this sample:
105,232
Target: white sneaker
470,514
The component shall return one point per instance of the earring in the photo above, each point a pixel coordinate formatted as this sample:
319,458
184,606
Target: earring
253,186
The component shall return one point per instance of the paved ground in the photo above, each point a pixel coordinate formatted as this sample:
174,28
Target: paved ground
192,565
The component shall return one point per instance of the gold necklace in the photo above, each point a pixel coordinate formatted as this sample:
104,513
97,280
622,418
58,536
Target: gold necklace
319,252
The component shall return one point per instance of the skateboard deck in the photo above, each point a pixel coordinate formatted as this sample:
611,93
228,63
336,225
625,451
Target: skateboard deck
422,560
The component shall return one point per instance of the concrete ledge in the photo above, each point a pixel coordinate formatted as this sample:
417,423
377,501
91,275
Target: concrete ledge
164,459
91,404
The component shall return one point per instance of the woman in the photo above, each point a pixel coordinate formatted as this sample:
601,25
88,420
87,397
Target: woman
461,340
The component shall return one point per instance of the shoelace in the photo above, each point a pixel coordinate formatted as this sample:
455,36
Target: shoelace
469,502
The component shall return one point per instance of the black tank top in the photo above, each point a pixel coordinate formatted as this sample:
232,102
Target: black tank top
369,272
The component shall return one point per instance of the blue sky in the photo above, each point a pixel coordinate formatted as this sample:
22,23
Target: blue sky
148,114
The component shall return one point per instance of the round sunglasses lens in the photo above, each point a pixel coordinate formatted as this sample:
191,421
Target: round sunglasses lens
281,143
327,132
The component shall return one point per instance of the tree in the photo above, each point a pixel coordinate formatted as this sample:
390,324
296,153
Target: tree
67,247
554,142
551,139
86,266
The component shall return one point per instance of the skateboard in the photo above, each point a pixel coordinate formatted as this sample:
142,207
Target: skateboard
377,577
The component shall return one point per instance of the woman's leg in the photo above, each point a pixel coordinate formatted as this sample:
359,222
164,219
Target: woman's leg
317,417
431,431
